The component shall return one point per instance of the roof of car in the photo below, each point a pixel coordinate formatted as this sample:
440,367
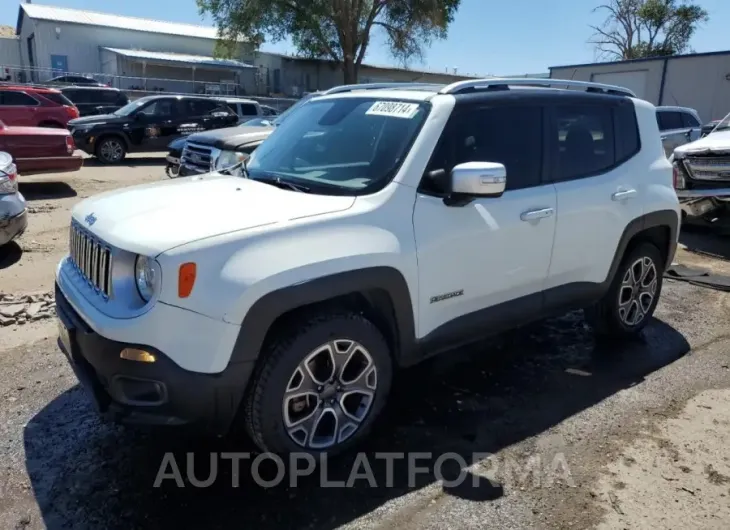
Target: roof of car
30,88
88,87
237,100
672,108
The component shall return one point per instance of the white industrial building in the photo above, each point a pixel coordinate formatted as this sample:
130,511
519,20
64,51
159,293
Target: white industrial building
700,80
134,53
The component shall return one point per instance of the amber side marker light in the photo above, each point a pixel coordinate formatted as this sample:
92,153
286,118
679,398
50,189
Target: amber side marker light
186,279
133,354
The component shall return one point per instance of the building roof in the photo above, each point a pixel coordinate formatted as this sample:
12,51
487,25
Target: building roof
92,18
200,60
647,59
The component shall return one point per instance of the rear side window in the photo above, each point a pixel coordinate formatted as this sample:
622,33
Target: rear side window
58,99
626,132
77,96
669,120
584,137
689,121
16,99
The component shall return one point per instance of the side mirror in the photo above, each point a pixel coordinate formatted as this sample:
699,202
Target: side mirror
476,179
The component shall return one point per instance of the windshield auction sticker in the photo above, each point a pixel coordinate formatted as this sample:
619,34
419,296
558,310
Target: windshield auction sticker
394,109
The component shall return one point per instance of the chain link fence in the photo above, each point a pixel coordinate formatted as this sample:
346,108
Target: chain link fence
137,86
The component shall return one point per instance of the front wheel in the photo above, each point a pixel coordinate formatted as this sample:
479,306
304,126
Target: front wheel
111,150
321,388
633,295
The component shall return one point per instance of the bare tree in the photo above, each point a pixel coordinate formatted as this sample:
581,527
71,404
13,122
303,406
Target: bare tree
634,29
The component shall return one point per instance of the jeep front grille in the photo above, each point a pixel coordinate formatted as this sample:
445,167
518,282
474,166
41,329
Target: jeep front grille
708,168
92,259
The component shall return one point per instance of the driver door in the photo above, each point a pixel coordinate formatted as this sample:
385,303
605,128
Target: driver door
156,124
483,264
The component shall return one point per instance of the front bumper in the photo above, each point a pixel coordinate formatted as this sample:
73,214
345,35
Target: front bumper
13,227
156,393
85,141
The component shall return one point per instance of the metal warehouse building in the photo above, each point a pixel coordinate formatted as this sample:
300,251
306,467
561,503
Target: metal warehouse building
700,81
140,54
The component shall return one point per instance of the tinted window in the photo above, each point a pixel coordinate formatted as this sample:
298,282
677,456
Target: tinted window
247,109
585,141
79,96
160,108
509,135
669,120
198,107
9,97
626,132
58,99
689,121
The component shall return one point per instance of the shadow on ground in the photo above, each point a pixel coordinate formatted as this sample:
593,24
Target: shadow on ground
39,191
708,239
87,474
130,161
10,254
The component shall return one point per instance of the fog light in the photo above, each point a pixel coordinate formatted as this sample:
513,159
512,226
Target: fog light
133,354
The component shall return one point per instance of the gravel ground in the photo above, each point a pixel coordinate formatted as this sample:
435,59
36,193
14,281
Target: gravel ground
622,435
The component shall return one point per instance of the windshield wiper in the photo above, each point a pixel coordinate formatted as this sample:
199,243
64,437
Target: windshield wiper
283,184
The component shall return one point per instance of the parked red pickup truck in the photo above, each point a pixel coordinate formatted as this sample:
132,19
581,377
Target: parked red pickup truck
40,149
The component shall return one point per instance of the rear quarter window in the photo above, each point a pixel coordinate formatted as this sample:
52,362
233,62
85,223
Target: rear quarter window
626,132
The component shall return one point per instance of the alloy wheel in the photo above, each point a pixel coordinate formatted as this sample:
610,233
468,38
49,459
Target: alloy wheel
112,150
637,292
330,394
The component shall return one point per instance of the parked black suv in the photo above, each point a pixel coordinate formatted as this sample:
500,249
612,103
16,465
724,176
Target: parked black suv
95,100
148,124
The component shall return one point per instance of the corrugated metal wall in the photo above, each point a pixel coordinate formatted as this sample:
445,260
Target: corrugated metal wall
701,82
9,52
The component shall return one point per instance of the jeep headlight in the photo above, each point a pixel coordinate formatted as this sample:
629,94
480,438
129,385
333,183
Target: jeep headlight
229,159
146,277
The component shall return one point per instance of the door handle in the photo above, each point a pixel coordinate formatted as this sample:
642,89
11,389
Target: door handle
622,195
533,215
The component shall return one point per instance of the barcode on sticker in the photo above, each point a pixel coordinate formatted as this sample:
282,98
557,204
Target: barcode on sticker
394,109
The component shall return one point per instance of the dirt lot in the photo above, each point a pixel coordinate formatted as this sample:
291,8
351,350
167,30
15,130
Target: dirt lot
625,435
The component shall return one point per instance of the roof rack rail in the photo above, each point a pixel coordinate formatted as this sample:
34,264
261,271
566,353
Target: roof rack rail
505,82
376,86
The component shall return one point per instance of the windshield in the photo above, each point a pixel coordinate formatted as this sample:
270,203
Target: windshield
345,146
129,108
281,117
724,124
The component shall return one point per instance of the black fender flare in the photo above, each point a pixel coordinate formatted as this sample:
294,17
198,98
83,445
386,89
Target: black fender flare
660,218
113,132
265,311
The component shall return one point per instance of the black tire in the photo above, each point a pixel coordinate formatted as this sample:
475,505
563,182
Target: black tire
263,408
110,149
605,317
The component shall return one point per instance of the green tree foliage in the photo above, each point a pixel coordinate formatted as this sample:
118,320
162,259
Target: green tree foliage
635,29
338,30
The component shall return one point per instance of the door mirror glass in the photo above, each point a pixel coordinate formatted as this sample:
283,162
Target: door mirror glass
479,179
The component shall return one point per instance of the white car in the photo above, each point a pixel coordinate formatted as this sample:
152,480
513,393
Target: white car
13,212
702,171
373,228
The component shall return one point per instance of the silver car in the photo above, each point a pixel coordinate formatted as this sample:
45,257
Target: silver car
678,126
13,214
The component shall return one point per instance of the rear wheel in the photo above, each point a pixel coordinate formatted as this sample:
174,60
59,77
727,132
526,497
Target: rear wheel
321,388
633,295
110,150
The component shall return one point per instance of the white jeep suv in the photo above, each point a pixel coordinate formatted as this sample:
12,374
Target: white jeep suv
374,228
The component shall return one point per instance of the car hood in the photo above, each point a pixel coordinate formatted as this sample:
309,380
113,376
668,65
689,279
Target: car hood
153,218
715,142
97,119
230,137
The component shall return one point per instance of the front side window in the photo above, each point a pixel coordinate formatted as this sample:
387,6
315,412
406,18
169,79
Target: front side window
689,121
132,107
343,146
163,108
247,109
669,120
584,138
